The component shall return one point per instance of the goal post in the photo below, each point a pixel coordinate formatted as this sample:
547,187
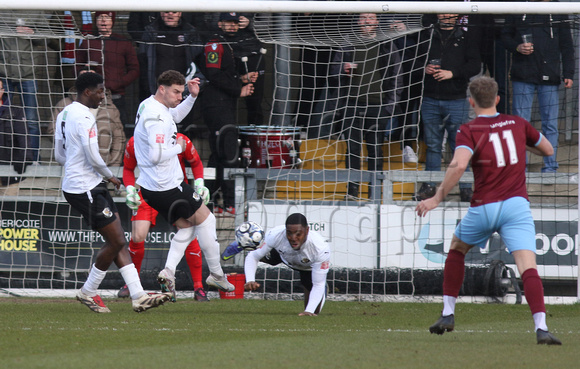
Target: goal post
296,161
329,7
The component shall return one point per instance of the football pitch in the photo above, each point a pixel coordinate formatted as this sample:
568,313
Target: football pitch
61,333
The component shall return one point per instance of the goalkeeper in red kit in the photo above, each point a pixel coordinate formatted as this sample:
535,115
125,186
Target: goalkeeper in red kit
145,216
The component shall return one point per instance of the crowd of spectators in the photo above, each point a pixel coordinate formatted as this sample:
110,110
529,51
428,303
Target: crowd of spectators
223,51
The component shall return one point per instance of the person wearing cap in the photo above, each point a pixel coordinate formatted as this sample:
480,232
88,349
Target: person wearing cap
219,102
112,56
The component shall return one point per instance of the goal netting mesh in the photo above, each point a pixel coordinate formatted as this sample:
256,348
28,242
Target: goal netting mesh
313,154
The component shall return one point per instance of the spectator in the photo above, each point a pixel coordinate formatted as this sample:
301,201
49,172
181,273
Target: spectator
249,53
314,63
14,141
73,24
169,43
369,77
137,23
406,120
139,20
19,58
542,56
109,126
453,59
219,102
113,56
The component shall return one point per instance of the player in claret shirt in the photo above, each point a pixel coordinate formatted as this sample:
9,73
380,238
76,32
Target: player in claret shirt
496,144
145,216
300,249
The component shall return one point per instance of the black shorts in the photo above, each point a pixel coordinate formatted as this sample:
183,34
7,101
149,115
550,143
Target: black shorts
99,212
274,258
179,202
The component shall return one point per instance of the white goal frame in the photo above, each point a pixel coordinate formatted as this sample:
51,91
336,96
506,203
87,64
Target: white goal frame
272,6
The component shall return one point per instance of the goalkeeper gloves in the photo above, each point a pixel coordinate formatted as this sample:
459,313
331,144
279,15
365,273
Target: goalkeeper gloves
202,190
132,199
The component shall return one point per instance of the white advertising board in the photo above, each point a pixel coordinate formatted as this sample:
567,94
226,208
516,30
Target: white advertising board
363,237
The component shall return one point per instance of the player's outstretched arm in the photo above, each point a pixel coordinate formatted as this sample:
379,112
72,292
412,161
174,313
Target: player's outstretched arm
452,175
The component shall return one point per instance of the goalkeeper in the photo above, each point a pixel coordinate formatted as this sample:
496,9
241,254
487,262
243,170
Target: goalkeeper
144,217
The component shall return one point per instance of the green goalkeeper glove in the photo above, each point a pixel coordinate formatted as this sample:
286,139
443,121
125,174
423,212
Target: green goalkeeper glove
202,190
132,199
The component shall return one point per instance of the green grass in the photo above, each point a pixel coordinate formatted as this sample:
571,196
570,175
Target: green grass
60,333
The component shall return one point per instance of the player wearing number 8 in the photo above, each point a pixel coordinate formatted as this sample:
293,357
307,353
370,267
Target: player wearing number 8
496,145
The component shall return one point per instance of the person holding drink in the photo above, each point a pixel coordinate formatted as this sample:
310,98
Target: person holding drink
453,59
542,58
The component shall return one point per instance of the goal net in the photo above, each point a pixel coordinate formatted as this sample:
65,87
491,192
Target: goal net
380,247
342,141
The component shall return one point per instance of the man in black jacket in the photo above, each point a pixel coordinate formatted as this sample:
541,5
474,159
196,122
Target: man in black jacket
453,59
368,73
169,43
15,147
543,57
219,103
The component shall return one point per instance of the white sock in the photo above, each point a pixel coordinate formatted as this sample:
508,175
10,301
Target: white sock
179,243
93,282
448,305
207,238
540,321
131,278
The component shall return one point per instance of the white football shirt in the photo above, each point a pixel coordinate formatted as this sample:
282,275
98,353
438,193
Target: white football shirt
156,146
313,255
76,147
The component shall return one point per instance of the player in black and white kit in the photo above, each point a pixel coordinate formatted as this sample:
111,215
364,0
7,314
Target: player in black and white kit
300,249
76,148
161,178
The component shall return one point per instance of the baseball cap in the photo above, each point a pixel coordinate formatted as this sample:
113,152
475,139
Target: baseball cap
229,17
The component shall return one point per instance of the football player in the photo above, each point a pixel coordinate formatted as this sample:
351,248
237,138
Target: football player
161,179
496,145
300,249
145,216
76,148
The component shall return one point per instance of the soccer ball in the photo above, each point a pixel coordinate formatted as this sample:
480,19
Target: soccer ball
249,235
